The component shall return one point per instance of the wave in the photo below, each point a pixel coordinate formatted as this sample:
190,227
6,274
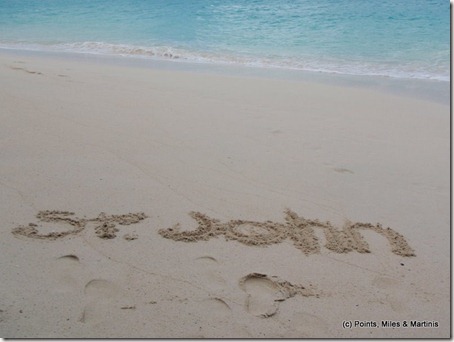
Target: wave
314,64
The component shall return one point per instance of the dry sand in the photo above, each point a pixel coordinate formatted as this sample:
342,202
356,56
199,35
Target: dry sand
153,203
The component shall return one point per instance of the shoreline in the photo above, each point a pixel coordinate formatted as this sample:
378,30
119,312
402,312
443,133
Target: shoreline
427,89
143,202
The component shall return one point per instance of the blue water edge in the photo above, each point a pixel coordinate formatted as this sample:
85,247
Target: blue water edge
388,38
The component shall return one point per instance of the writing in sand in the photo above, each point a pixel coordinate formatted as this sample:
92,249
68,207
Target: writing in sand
299,230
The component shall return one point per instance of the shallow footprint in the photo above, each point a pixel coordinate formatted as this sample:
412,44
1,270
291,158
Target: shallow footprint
219,315
101,297
68,269
265,293
101,289
206,259
261,300
71,260
210,274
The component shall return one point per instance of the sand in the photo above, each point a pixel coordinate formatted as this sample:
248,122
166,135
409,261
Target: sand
139,202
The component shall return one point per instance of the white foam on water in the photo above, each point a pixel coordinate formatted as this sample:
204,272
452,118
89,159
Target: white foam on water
357,68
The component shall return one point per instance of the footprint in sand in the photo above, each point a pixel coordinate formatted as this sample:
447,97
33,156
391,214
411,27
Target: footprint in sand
100,288
70,258
220,314
101,297
69,272
26,70
213,279
208,260
265,293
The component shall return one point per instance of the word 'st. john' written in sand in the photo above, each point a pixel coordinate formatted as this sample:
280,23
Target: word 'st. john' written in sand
299,230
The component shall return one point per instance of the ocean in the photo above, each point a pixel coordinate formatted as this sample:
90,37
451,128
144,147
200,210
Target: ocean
389,38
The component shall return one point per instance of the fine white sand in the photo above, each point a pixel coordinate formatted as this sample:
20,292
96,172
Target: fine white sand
142,156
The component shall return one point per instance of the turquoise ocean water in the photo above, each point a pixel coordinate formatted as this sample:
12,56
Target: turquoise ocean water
393,38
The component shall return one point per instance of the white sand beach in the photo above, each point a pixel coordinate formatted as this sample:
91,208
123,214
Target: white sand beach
148,203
